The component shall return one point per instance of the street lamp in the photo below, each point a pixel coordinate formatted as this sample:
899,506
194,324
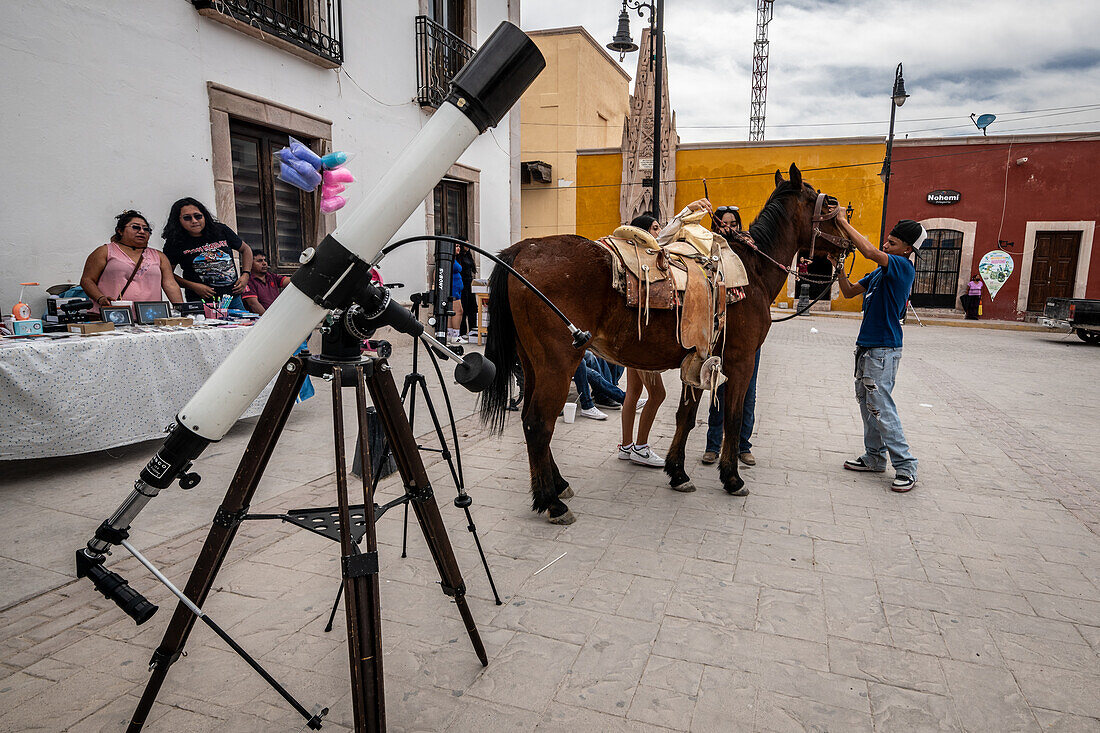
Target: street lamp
622,44
897,99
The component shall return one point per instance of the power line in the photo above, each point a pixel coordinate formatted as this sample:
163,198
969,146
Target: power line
1080,107
971,150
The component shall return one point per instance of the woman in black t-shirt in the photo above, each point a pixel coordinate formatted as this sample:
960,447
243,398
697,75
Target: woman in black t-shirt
469,305
203,248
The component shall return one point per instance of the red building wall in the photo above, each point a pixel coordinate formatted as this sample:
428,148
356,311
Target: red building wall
1056,183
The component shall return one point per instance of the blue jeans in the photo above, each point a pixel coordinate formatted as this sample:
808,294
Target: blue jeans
590,380
715,427
876,370
611,372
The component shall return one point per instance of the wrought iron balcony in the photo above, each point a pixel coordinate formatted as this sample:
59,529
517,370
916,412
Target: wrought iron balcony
312,29
439,56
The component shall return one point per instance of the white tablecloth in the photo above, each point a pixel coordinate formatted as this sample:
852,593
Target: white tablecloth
88,393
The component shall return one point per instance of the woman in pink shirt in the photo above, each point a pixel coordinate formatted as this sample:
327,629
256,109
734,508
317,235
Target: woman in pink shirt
127,268
973,297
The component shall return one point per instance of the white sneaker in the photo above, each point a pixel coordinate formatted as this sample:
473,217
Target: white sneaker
624,452
592,413
641,402
462,339
646,457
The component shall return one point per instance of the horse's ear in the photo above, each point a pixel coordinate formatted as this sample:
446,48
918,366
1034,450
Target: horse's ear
796,176
778,177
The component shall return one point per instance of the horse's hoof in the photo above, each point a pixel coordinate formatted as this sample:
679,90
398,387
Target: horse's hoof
566,518
741,491
685,488
566,493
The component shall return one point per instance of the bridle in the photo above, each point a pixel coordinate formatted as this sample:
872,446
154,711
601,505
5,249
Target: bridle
843,243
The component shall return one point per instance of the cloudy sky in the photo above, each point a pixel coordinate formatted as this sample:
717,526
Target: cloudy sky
1036,65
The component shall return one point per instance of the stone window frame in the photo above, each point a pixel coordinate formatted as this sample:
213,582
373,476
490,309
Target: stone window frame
472,177
969,231
226,102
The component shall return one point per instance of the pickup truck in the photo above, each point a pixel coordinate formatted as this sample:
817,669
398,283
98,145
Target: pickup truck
1079,314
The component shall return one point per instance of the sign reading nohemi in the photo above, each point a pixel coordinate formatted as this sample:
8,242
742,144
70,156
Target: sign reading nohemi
944,197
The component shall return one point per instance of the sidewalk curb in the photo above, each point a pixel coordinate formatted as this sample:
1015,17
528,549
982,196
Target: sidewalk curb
951,322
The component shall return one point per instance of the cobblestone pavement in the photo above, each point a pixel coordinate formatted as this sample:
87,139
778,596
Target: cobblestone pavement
822,601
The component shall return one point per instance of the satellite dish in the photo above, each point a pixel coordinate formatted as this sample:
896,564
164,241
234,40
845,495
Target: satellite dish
983,121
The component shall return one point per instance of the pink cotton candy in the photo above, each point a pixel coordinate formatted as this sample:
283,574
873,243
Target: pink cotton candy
333,203
331,189
338,175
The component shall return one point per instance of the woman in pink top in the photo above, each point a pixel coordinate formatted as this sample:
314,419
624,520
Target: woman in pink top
127,268
973,297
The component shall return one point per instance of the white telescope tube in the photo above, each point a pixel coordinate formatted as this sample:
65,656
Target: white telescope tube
233,386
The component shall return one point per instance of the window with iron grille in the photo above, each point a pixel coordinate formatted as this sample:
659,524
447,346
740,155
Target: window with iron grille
272,216
937,264
441,49
313,26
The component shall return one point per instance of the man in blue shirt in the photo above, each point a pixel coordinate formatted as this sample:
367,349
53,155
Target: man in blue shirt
878,348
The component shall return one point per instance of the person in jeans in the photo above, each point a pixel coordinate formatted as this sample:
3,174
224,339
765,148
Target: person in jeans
726,221
878,347
716,422
594,389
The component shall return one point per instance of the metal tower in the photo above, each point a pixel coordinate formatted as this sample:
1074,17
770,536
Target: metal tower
760,69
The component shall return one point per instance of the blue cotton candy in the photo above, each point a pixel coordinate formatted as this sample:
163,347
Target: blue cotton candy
288,174
303,153
334,159
308,173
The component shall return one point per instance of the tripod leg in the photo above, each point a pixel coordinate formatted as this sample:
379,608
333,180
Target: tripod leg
335,605
383,392
360,573
463,500
484,562
226,520
405,534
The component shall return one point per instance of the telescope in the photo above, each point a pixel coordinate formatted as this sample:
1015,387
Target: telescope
333,276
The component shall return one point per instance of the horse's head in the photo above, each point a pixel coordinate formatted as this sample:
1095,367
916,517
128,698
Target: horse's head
814,216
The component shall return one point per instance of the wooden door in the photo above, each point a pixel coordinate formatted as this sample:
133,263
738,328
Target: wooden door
1053,267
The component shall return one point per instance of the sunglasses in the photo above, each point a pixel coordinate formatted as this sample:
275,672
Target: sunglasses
140,228
723,210
192,217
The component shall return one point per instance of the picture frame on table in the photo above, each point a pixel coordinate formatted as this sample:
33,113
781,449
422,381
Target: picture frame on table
150,310
191,308
118,315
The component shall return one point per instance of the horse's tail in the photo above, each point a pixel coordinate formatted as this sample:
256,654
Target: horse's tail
500,346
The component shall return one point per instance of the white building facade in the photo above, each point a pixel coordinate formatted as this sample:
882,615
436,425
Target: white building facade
118,104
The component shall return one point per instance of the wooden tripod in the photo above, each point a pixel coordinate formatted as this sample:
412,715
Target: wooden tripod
359,568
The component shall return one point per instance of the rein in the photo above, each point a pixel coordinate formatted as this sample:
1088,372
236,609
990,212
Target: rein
843,243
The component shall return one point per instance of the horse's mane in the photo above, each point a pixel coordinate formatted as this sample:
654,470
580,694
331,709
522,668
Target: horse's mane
765,228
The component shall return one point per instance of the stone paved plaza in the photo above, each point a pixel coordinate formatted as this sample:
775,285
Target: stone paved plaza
822,601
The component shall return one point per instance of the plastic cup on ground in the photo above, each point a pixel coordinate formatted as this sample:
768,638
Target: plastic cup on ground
570,411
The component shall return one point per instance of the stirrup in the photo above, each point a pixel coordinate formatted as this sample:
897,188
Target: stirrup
711,374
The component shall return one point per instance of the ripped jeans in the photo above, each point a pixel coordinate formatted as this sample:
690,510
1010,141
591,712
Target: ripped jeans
876,370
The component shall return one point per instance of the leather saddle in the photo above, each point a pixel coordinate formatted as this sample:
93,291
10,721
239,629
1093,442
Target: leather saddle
697,274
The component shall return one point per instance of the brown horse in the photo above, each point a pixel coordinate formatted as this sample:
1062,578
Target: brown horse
575,274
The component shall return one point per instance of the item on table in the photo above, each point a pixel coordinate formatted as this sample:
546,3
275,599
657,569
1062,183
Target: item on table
119,316
90,328
22,311
149,311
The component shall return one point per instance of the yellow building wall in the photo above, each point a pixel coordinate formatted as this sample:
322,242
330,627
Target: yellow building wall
745,177
579,101
599,178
